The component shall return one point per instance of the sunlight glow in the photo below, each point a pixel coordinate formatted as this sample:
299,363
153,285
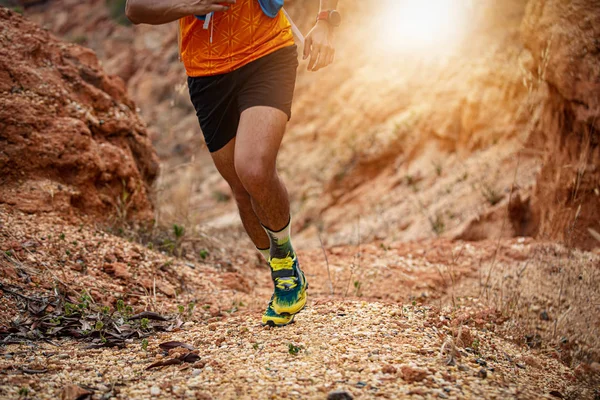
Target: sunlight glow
420,24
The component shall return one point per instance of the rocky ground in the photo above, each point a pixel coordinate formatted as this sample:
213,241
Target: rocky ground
404,319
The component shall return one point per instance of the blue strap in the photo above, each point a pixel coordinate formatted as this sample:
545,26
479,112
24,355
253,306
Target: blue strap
271,7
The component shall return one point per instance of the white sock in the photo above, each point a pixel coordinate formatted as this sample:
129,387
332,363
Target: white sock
266,253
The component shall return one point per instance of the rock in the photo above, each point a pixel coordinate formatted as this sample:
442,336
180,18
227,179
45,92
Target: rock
411,373
562,38
56,155
389,369
154,391
482,373
339,395
74,392
464,337
118,269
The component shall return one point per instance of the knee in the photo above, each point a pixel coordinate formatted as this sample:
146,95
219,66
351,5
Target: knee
254,174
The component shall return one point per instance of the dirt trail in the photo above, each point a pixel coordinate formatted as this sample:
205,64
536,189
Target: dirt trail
395,333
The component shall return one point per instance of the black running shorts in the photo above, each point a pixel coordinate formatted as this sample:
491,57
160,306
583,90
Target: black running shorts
220,99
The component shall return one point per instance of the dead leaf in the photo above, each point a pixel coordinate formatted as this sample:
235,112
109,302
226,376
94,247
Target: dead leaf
172,345
172,361
149,315
34,371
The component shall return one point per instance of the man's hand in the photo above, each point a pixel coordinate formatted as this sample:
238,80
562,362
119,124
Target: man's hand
158,12
318,44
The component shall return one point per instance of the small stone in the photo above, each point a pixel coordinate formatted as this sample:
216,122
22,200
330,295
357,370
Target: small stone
389,369
481,362
196,372
465,338
154,391
482,373
339,395
544,316
412,373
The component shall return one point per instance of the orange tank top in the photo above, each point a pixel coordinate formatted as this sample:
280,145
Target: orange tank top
232,39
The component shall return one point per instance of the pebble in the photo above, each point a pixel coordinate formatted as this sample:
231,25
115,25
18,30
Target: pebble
154,390
339,395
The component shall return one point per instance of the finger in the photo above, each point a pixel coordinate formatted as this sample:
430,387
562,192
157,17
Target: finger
331,56
217,7
314,56
307,45
323,58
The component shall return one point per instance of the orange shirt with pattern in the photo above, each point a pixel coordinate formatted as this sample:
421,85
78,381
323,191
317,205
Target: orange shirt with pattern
240,35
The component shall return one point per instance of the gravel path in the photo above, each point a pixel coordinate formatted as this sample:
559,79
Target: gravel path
369,350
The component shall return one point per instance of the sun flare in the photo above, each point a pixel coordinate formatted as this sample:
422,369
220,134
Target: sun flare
420,25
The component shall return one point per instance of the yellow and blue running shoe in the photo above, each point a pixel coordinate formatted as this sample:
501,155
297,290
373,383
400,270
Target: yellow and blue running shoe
290,285
271,318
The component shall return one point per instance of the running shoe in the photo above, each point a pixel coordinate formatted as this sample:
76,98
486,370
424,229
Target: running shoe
290,285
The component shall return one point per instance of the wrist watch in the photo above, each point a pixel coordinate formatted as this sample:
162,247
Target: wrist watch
332,17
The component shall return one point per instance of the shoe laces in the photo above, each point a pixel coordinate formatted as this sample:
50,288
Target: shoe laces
277,264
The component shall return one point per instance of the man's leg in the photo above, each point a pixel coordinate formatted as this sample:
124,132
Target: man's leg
224,161
258,139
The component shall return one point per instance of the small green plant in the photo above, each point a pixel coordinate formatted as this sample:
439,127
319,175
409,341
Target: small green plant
475,345
144,323
203,254
80,39
293,349
99,325
437,224
144,344
70,308
221,197
61,236
191,307
105,310
68,252
179,231
116,10
120,306
491,195
357,286
180,309
24,391
438,168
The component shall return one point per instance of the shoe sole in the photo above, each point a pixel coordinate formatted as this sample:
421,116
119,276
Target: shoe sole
273,324
298,306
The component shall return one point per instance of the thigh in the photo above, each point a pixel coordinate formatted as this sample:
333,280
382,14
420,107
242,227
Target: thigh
224,161
259,136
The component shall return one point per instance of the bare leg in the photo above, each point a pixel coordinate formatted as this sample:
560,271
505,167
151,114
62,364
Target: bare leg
257,143
224,161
